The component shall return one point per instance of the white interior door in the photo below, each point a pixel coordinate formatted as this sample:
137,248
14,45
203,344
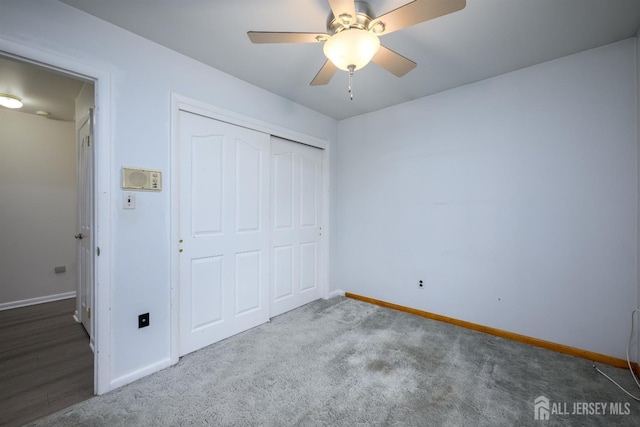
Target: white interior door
296,187
223,230
84,292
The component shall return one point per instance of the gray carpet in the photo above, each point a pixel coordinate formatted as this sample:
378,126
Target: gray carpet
342,362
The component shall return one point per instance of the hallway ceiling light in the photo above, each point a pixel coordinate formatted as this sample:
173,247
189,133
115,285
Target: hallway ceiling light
10,101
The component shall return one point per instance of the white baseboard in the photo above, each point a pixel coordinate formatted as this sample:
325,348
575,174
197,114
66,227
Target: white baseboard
140,373
335,293
38,300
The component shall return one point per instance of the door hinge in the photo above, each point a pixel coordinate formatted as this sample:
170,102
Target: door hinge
88,312
97,250
88,140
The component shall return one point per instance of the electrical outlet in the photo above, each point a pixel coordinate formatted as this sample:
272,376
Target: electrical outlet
420,284
143,320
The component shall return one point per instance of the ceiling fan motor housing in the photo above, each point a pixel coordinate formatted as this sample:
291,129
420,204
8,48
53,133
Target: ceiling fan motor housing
364,16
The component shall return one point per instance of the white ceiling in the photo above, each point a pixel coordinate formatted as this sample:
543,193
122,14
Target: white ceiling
41,89
485,39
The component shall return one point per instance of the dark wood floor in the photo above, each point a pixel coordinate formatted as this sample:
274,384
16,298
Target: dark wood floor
45,362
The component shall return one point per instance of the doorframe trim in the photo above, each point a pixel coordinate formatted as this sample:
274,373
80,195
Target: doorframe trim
183,103
47,58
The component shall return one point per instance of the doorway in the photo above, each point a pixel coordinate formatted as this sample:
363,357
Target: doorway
63,64
40,256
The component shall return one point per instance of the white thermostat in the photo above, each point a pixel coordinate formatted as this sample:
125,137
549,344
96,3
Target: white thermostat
141,179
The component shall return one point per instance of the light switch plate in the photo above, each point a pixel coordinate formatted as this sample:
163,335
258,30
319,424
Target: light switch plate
128,200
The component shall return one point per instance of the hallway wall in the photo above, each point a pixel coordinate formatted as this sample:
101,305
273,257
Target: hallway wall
38,209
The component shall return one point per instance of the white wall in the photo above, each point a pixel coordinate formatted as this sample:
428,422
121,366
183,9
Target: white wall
513,198
37,208
143,76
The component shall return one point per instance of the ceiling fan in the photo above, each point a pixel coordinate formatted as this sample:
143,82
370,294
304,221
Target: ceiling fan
353,31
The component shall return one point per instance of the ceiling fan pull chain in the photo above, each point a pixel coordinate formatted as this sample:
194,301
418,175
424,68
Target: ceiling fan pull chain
351,69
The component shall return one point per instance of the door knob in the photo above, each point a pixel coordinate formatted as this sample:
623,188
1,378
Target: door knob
79,236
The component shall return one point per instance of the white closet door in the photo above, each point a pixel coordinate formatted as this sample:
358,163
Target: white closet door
224,230
296,188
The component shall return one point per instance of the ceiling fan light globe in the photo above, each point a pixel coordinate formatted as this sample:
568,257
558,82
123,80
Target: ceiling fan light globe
353,47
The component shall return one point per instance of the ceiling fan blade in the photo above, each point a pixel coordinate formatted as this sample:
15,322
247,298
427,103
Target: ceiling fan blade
393,62
414,13
276,37
343,10
325,74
